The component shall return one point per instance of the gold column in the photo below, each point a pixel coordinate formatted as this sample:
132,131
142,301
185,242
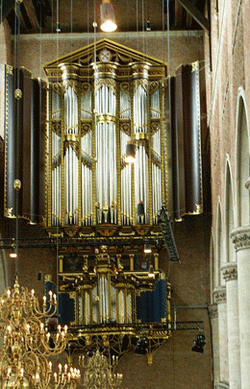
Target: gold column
94,154
149,160
132,263
79,156
60,263
62,164
156,258
49,177
132,167
86,307
118,155
121,306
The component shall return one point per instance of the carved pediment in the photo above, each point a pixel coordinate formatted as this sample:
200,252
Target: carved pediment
105,50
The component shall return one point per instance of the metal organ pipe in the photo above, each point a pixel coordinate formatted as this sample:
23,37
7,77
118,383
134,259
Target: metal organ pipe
56,160
71,158
106,172
86,150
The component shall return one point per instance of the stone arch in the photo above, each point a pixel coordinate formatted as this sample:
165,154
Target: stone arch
220,248
242,161
212,264
229,212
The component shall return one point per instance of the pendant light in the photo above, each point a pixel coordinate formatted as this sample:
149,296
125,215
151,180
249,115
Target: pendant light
108,23
130,152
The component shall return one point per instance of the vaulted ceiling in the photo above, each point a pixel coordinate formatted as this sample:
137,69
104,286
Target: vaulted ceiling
38,16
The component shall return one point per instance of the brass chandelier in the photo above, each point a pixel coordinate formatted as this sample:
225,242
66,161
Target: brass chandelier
27,343
98,373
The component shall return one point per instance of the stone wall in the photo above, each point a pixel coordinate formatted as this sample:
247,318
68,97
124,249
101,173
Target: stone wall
185,47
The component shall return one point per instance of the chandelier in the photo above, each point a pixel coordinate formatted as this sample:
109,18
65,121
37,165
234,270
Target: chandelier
27,343
98,373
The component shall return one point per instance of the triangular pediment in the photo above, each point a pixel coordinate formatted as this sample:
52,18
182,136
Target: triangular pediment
119,53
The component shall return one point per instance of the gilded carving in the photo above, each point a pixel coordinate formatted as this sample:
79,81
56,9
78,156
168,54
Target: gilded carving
85,128
125,87
155,126
125,127
58,87
9,212
153,86
108,82
85,88
141,82
56,126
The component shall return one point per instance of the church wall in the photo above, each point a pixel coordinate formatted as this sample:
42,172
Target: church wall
6,44
229,72
229,79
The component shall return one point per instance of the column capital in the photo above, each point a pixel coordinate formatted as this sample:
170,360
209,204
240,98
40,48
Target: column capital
213,311
220,295
229,271
241,238
247,184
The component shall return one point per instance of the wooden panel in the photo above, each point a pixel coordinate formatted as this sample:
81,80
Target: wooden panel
187,145
24,115
180,203
10,143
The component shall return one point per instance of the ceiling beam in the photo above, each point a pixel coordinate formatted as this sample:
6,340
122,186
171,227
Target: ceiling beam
28,4
195,13
178,14
7,6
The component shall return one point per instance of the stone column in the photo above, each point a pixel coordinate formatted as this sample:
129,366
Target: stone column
220,298
241,240
229,272
213,313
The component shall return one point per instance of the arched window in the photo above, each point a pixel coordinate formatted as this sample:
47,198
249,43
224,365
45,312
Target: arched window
229,213
242,162
220,254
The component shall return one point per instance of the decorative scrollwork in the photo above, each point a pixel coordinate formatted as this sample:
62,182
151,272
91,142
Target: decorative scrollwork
85,88
125,87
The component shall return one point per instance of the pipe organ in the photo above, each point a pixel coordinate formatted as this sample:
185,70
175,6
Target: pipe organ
97,104
100,99
95,110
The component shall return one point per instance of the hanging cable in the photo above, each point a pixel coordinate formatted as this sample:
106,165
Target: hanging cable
18,96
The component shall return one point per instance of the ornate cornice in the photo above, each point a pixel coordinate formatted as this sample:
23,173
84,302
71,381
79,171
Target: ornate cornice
213,311
220,295
241,238
229,271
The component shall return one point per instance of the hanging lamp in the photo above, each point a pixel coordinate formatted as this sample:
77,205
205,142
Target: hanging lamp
108,23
